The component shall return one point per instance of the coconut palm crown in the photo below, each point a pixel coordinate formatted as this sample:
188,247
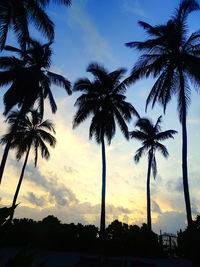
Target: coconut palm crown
29,77
172,57
31,132
16,15
151,136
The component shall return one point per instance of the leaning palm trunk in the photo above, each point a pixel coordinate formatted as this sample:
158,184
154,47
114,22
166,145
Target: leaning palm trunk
7,147
4,158
19,183
148,191
102,222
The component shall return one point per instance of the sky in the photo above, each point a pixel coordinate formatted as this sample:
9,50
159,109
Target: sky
68,185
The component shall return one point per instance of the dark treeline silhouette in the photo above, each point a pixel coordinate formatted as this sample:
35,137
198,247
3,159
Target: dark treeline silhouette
50,233
184,245
121,238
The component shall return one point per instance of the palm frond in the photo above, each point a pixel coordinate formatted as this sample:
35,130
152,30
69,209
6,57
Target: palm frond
30,131
84,85
4,26
120,120
59,80
154,166
47,124
165,135
139,153
98,71
162,149
47,137
141,136
41,20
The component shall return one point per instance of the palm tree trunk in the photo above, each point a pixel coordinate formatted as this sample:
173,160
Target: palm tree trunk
148,191
19,183
184,153
103,196
7,147
184,170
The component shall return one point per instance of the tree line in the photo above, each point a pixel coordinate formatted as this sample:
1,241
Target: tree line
170,55
121,238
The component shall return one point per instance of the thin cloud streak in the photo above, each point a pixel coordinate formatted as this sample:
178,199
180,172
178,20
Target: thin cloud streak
96,44
133,6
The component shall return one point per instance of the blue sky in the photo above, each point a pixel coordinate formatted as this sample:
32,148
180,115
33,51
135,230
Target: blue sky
69,184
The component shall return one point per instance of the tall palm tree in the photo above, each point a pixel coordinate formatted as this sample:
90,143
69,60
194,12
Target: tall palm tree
173,57
30,81
150,135
16,14
104,100
31,132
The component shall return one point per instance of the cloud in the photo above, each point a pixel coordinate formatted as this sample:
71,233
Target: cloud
112,209
70,170
170,222
84,213
155,207
96,45
132,6
193,121
33,199
175,185
126,219
194,209
61,194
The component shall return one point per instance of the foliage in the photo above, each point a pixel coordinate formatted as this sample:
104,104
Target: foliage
51,220
151,135
5,213
104,100
170,55
16,15
50,233
29,78
31,131
5,223
132,240
186,247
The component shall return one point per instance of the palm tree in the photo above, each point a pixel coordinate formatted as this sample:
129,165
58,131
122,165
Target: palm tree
104,100
16,14
31,132
150,135
174,59
30,81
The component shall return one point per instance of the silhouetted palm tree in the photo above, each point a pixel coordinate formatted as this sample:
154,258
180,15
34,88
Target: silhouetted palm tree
150,135
104,100
30,80
173,57
31,132
16,14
